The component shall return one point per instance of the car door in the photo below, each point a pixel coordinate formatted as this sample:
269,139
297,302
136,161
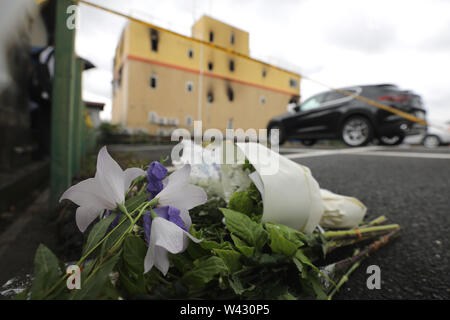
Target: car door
318,116
306,122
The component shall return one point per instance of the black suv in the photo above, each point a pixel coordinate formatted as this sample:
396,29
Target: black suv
334,115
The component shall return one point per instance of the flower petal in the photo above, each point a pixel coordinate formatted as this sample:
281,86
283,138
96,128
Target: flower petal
88,193
184,215
85,216
130,174
158,257
182,196
180,176
110,176
167,235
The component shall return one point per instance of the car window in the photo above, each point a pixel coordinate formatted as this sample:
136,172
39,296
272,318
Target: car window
334,95
313,102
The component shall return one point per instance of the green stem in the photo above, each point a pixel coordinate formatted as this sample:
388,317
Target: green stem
335,235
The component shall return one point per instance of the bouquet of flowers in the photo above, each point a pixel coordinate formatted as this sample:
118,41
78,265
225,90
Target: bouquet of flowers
154,235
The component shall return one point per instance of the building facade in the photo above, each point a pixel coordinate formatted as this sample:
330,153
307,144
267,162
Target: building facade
164,80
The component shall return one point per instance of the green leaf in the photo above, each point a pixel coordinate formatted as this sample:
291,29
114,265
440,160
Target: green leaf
92,287
231,259
279,244
98,232
112,239
242,246
132,286
286,232
245,228
204,271
46,272
305,260
134,250
132,203
320,293
210,245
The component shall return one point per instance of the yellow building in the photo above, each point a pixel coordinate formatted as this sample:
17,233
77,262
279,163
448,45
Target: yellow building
164,80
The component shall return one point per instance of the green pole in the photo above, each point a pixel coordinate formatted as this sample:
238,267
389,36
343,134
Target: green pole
78,116
62,104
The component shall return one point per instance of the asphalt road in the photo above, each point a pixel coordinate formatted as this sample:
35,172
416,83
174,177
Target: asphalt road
409,185
410,190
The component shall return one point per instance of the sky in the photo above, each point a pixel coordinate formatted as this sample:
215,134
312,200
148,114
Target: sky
338,43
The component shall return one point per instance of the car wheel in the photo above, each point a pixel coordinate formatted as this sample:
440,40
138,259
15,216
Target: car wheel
309,142
281,133
392,141
431,141
356,131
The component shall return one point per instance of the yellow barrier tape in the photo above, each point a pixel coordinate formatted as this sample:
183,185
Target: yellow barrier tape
371,102
230,51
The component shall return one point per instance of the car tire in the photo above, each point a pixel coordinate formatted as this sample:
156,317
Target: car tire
356,131
431,141
392,141
308,142
282,133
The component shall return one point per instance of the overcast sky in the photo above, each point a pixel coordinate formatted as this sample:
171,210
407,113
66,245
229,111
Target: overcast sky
340,43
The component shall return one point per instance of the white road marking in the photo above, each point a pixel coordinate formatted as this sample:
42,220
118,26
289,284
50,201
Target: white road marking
315,153
408,154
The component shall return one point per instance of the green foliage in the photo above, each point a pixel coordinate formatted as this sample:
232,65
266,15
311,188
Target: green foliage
239,257
46,272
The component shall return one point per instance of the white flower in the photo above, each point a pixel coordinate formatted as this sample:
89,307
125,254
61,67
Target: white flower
105,191
341,211
167,236
290,194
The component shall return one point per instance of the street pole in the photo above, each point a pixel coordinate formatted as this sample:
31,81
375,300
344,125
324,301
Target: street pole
62,104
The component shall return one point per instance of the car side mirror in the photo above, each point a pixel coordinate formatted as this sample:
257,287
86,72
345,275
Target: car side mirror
297,108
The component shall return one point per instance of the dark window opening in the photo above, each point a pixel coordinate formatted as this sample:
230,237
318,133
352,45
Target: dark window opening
210,97
293,83
154,38
153,82
230,94
119,78
210,66
190,53
232,38
264,73
211,36
231,66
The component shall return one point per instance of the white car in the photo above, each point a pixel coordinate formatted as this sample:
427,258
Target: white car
437,135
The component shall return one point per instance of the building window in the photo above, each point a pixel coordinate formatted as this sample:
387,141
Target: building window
210,97
189,86
263,100
264,73
153,81
211,36
230,94
154,39
210,66
232,38
293,83
188,121
231,65
190,53
152,117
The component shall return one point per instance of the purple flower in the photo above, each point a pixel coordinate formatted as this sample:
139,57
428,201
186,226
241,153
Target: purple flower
156,172
169,213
